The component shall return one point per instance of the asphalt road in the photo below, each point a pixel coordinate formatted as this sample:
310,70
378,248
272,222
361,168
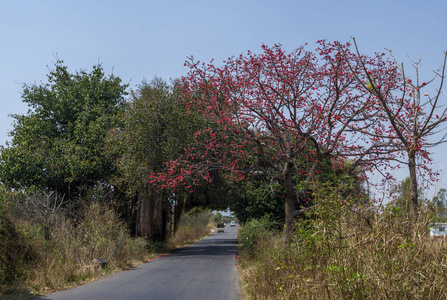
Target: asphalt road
205,270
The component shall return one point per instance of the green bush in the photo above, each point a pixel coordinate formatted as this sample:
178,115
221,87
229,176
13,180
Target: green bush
253,232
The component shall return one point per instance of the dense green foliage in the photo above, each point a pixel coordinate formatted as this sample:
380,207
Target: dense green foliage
155,130
256,197
58,144
259,194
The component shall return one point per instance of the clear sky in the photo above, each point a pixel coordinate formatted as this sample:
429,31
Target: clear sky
142,39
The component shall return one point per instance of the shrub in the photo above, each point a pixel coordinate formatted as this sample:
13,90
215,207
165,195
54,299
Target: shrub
15,253
67,257
42,257
345,250
253,232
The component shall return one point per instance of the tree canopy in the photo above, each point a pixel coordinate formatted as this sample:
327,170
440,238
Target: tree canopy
58,144
155,130
408,120
276,109
281,122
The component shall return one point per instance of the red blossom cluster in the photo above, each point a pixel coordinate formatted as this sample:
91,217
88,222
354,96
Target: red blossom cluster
273,107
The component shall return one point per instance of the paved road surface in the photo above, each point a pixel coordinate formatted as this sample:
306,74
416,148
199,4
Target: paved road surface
205,270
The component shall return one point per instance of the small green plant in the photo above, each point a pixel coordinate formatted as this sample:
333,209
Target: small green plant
252,232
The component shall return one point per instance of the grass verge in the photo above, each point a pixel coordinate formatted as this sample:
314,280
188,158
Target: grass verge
344,250
35,262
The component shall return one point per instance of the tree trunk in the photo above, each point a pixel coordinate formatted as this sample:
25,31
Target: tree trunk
413,184
145,215
289,210
289,202
153,219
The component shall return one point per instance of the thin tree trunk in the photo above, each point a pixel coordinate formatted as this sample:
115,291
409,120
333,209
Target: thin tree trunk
413,184
289,203
289,210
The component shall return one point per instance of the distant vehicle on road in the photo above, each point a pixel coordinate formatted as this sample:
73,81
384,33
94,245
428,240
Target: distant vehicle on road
233,224
220,227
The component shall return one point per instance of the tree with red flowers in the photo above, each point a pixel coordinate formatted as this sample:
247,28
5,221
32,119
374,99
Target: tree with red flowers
272,109
408,119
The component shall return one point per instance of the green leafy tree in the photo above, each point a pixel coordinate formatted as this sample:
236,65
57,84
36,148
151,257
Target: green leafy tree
58,144
155,131
218,217
440,205
259,195
401,204
256,197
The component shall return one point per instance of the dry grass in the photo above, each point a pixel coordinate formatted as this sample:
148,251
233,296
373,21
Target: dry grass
65,259
193,227
39,265
342,252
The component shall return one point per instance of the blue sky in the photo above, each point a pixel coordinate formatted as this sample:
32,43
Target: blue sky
143,39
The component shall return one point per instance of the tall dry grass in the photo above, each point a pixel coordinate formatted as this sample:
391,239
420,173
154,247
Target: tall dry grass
67,257
63,256
345,250
193,226
44,247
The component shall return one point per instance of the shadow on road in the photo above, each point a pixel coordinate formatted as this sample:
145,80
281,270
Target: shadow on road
209,246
